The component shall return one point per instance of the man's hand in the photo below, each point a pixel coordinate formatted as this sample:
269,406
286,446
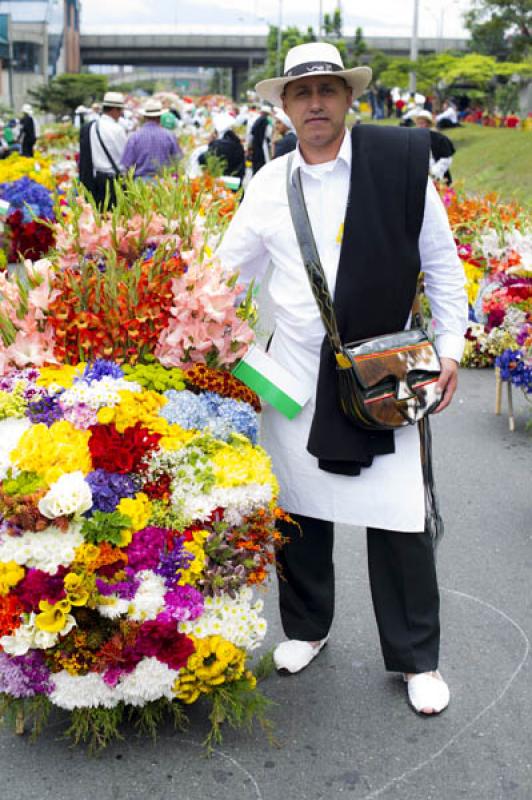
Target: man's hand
447,383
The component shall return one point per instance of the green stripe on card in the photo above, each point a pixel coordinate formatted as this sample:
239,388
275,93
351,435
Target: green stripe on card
267,390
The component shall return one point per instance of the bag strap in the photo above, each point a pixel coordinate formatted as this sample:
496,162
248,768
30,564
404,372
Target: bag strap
311,258
314,268
105,150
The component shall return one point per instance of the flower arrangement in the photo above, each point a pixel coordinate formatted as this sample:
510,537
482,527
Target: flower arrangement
38,169
137,512
494,241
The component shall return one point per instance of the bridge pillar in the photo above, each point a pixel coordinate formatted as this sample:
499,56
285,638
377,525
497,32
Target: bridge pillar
239,76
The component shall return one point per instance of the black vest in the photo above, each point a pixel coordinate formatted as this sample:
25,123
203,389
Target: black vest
377,275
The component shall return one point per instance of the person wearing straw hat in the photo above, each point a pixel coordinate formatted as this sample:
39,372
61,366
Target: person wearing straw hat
102,142
377,221
441,148
261,137
152,147
286,140
226,146
28,135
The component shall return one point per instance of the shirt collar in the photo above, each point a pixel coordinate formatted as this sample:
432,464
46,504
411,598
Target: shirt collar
344,155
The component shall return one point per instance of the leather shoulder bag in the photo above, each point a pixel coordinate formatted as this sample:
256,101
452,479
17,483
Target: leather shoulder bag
386,382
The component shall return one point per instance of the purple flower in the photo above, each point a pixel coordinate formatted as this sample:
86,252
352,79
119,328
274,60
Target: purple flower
24,676
124,589
100,369
143,552
182,604
46,409
171,562
108,488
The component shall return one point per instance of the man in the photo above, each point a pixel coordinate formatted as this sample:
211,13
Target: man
152,147
101,146
441,148
261,137
371,249
28,136
286,139
227,146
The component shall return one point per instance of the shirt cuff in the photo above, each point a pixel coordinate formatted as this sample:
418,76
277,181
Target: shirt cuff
449,345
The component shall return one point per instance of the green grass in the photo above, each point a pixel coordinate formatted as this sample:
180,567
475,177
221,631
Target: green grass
492,160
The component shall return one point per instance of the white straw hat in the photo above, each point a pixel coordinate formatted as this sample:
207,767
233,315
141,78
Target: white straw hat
113,100
423,114
152,108
27,109
279,114
314,58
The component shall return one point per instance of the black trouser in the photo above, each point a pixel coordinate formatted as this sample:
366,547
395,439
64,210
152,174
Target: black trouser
403,584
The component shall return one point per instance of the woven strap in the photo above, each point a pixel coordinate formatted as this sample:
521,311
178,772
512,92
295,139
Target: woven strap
313,266
310,255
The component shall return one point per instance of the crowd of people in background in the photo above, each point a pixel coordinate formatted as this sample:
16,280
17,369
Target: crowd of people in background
117,136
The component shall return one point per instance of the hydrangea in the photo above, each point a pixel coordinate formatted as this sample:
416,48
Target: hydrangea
220,416
108,488
33,199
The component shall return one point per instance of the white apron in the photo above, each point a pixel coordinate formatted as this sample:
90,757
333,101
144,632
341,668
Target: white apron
388,495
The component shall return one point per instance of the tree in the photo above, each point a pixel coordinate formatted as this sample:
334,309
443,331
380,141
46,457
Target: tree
501,28
360,47
64,93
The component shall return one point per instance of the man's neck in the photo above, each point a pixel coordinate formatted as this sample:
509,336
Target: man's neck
323,154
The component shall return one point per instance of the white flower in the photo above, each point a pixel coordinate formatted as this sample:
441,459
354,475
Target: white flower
82,691
149,597
113,607
150,680
27,636
70,494
46,550
237,620
11,429
105,392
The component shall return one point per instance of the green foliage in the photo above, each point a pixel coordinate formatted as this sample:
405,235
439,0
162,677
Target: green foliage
149,718
501,28
359,49
64,93
238,706
103,527
95,727
15,710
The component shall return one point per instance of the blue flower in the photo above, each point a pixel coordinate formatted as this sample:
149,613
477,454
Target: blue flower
100,369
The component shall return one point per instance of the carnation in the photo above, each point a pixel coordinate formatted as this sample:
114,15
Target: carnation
70,494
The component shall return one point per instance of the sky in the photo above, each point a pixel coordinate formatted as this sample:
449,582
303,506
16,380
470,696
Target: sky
378,18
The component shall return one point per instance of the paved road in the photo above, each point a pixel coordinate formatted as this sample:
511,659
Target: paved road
344,727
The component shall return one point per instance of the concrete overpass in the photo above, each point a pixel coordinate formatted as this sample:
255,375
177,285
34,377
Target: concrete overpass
239,50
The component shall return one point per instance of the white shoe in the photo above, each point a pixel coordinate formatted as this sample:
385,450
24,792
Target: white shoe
294,655
427,690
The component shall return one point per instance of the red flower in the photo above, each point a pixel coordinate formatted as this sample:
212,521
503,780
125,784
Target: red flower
121,452
161,640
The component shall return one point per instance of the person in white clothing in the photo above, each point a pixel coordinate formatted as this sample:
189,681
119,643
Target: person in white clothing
108,141
448,117
371,249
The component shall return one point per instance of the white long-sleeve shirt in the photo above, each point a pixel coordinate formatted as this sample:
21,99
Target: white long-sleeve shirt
114,137
390,493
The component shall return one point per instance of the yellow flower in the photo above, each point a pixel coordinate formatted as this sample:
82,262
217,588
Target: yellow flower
77,593
10,574
52,451
473,275
240,463
53,617
136,407
62,376
215,661
174,437
138,509
194,572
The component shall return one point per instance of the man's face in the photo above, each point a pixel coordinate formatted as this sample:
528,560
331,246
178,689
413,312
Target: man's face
317,106
422,123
